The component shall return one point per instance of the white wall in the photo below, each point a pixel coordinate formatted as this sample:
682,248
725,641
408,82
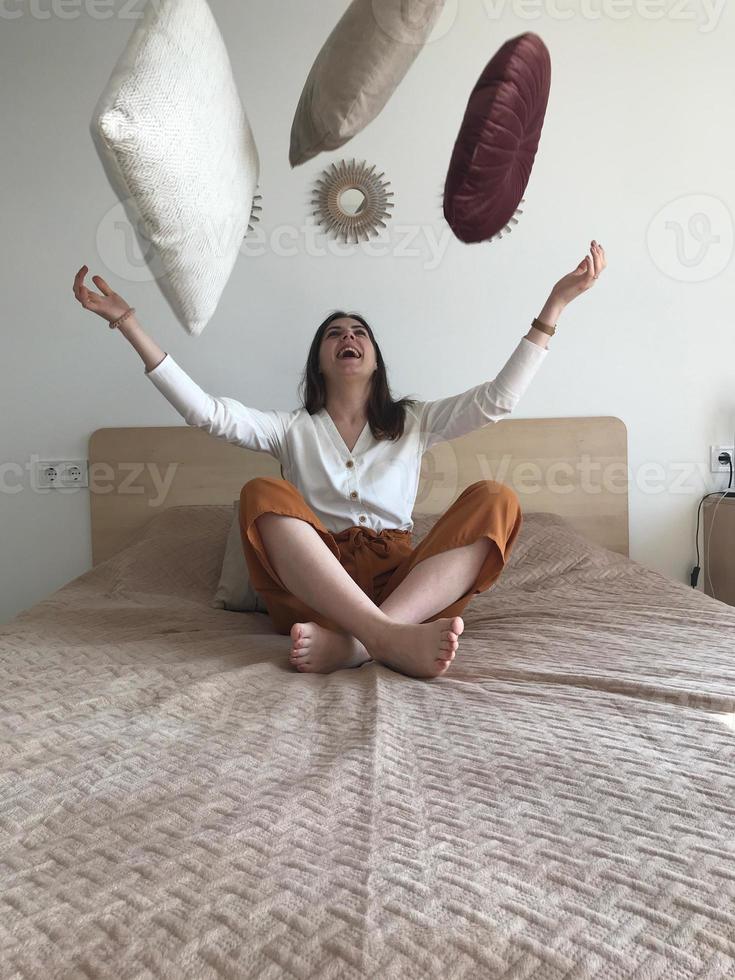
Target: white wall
640,115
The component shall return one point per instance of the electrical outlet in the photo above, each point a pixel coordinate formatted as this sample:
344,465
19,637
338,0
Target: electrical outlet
61,473
714,464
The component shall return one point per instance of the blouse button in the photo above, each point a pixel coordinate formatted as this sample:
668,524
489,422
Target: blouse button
353,494
350,463
362,518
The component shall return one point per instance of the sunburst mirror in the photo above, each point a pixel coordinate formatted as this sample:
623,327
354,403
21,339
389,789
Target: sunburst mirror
255,209
352,201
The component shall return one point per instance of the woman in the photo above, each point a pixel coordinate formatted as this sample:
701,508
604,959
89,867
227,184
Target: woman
328,546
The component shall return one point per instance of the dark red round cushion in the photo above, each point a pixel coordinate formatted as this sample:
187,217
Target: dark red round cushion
494,152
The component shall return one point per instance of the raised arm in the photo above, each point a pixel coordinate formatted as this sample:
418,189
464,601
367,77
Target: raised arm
490,401
457,415
224,418
111,307
146,346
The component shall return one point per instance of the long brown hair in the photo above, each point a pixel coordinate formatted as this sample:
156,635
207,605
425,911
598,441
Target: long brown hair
386,416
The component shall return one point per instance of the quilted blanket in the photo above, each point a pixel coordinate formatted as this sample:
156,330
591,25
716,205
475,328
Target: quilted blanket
176,801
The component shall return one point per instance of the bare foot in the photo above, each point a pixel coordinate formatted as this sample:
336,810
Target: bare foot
419,650
320,651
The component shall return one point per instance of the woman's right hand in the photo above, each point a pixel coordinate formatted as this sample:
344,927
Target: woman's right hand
109,305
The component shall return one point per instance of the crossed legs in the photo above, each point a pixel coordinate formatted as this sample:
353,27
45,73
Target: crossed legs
394,632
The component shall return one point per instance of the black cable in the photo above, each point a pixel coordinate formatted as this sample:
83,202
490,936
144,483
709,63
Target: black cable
694,578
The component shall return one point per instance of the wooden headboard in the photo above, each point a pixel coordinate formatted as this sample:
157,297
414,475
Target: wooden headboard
574,467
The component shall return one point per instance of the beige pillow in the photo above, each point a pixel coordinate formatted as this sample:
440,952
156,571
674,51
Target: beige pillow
359,67
235,591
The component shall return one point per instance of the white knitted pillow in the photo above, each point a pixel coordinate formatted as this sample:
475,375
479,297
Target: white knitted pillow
177,148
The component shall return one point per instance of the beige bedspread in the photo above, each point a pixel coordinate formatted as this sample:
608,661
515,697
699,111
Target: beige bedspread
175,801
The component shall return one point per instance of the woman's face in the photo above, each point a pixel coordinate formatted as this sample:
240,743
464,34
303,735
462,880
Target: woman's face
341,333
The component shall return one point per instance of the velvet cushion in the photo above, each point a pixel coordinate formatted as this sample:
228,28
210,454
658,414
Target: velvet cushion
498,139
360,65
177,148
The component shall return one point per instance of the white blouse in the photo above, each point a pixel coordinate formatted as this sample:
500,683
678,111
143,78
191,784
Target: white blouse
375,485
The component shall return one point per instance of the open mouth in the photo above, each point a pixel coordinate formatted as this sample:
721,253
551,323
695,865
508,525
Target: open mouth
348,352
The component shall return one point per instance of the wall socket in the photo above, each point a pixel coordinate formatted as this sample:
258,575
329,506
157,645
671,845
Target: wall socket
61,473
717,467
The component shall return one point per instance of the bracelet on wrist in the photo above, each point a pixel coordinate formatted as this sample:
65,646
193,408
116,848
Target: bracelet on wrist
547,328
126,314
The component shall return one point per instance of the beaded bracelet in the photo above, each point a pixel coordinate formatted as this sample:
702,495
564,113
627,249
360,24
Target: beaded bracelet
126,314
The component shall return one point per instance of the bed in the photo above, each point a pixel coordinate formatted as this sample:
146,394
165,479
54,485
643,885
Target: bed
178,802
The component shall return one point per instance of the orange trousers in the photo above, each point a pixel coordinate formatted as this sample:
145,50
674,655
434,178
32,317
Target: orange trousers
377,561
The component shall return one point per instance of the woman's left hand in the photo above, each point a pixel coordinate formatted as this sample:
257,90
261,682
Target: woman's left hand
583,277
